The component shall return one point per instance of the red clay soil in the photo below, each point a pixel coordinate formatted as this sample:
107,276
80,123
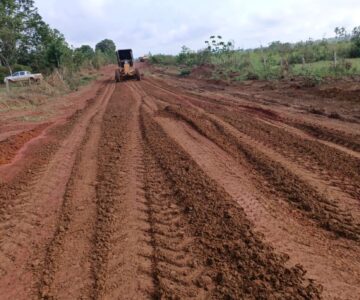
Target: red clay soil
11,146
176,189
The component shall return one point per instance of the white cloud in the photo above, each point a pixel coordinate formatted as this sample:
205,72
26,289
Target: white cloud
164,26
93,8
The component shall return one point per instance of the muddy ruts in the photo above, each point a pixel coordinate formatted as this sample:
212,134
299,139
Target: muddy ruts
239,264
283,182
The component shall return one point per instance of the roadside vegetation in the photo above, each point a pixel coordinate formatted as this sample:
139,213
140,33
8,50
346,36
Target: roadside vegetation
28,43
313,59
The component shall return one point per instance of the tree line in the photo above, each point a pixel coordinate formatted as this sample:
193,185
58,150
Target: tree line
28,43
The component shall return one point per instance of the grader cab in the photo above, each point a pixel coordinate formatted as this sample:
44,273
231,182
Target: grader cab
126,69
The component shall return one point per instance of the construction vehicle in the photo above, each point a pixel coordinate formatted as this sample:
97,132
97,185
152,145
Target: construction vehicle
126,68
144,58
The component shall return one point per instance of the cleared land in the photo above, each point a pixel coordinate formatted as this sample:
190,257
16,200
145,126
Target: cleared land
183,188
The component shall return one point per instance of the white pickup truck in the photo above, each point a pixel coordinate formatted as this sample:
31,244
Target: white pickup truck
23,76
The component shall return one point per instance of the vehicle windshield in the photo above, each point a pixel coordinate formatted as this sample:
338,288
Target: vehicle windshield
15,74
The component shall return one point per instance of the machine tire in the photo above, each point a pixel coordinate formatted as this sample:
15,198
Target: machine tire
117,76
137,75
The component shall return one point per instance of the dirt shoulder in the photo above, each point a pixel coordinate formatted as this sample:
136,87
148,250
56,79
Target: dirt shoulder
25,124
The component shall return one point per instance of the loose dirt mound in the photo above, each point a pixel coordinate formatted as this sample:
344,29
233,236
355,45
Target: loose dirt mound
339,94
202,72
10,146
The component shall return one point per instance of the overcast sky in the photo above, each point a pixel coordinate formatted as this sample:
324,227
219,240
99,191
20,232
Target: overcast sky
163,26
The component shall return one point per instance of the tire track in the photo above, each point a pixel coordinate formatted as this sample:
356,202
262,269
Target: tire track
341,168
284,228
68,265
302,242
331,137
225,243
177,273
336,167
123,252
274,177
37,197
298,192
334,136
329,171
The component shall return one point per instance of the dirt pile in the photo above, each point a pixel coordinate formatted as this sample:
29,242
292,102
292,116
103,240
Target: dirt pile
10,146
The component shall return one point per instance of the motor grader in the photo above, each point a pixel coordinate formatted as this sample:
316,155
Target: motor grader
126,69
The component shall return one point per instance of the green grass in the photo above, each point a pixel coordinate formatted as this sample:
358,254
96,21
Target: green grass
244,65
84,80
9,106
325,68
249,65
3,92
32,118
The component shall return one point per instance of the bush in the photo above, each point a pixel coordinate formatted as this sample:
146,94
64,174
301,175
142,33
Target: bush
18,67
163,59
252,76
343,68
354,51
4,71
185,72
295,58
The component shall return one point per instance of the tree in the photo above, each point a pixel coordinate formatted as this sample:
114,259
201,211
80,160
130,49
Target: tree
83,54
18,20
86,51
28,43
355,42
217,45
184,54
340,32
57,50
106,46
26,39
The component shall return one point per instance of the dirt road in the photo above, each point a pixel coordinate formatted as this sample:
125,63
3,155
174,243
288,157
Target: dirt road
157,190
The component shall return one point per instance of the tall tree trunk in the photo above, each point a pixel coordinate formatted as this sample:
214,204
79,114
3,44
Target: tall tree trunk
6,63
